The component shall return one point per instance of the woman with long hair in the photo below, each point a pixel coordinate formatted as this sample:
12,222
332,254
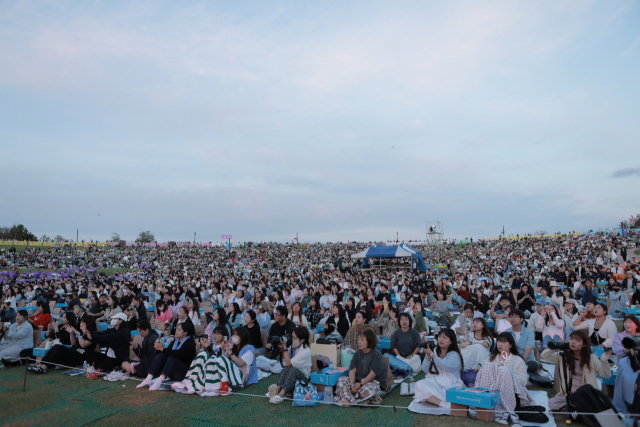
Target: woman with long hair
551,324
194,311
219,319
297,316
340,319
505,371
443,367
584,366
234,315
477,344
314,312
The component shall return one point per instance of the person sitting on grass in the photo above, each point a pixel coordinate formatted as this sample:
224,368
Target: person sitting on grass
60,332
68,356
504,370
359,325
42,317
145,352
583,367
405,343
17,337
443,367
297,362
234,365
115,340
367,372
172,362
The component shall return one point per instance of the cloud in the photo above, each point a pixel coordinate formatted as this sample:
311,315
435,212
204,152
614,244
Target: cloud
625,172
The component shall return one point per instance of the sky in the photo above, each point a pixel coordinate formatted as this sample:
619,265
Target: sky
334,120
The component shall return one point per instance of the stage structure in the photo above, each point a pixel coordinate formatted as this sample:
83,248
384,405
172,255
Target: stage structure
435,241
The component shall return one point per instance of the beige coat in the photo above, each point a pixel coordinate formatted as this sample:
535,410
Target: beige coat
595,366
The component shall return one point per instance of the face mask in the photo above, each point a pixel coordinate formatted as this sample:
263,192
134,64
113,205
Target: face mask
295,343
114,322
235,339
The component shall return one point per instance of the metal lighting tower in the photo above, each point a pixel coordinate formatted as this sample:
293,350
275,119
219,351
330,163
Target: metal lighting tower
435,240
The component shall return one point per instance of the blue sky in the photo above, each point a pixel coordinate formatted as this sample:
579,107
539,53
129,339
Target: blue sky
338,121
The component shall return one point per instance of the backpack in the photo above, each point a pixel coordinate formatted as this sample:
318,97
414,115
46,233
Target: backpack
588,400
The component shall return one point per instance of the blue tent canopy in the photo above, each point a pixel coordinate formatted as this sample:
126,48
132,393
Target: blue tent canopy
400,251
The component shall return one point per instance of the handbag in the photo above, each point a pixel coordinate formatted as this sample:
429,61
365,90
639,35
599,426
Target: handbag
305,394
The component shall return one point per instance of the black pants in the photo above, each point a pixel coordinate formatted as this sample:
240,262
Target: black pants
102,361
63,356
27,352
170,367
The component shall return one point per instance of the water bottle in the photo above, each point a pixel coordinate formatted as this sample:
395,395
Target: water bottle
85,365
328,394
330,366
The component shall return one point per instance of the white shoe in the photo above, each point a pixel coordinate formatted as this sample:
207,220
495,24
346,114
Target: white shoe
515,423
404,389
276,400
412,389
178,386
504,419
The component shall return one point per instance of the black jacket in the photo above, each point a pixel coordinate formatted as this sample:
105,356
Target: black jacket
115,339
186,353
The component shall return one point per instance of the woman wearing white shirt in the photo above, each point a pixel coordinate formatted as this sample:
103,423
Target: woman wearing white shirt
477,344
601,330
194,311
296,315
296,368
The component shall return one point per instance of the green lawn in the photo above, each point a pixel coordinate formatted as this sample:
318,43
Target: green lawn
58,400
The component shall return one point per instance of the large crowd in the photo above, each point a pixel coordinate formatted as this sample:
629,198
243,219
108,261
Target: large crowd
208,320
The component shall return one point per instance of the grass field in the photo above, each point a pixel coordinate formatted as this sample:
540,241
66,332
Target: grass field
58,400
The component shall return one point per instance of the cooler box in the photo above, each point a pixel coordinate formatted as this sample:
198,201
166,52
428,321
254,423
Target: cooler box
384,344
631,310
63,305
103,326
321,378
490,323
151,309
462,396
319,328
39,352
135,333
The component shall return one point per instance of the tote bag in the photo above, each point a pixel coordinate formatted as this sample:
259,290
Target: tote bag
305,394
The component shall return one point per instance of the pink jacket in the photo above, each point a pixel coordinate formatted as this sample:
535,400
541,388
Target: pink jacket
167,316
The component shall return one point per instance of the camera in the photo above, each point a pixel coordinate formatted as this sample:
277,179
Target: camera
559,345
429,344
631,342
277,340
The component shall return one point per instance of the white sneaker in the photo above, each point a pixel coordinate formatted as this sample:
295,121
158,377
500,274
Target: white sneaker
276,400
515,423
412,389
504,419
178,385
